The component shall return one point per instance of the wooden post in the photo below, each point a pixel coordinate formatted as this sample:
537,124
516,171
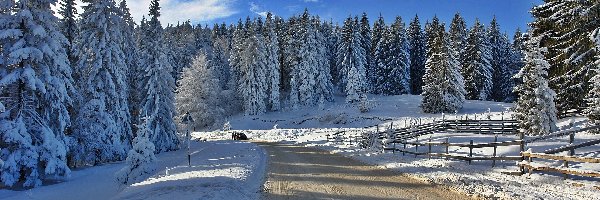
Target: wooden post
571,152
429,145
494,155
404,150
470,151
522,149
447,145
417,147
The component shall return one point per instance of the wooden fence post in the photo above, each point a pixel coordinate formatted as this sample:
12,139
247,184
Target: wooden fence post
404,150
571,152
447,145
470,151
417,147
522,149
494,155
429,145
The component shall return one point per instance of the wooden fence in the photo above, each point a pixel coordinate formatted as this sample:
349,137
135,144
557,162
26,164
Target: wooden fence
469,157
531,166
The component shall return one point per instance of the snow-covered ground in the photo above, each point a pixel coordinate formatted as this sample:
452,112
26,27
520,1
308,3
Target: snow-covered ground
308,127
219,170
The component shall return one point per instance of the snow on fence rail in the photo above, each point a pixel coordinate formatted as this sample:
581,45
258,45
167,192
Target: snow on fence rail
470,157
561,134
531,166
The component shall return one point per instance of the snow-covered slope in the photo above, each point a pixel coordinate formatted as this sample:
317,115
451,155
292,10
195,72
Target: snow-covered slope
339,114
219,170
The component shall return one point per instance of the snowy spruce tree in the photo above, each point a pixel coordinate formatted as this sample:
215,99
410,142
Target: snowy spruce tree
476,67
458,36
444,86
365,43
593,98
535,108
100,134
252,71
198,94
68,26
158,100
500,62
272,64
131,57
393,63
140,158
353,61
35,89
418,55
563,28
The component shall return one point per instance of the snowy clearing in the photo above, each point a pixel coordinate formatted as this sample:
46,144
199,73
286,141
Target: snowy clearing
478,179
219,170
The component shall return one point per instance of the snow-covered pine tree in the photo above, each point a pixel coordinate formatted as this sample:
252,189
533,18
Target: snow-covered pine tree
418,55
36,89
458,36
158,93
365,34
304,74
476,68
535,108
140,158
198,94
353,61
593,97
100,132
517,61
253,81
499,60
185,47
444,86
272,64
564,27
68,26
323,85
130,52
392,57
378,52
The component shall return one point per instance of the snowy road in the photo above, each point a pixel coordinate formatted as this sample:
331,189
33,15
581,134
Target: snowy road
297,172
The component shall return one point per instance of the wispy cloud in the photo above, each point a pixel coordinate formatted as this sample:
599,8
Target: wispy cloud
311,0
255,8
173,11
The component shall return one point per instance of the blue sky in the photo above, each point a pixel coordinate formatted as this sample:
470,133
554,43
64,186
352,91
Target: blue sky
509,13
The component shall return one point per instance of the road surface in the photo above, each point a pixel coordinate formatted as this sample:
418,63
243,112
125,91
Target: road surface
296,172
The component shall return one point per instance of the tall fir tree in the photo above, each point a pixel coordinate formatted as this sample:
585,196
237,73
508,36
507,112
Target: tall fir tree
68,26
352,58
157,104
272,63
366,40
535,108
418,55
458,36
476,69
444,86
36,89
392,56
499,60
100,134
563,28
130,51
593,97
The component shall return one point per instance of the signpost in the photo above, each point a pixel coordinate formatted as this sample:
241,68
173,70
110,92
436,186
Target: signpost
187,119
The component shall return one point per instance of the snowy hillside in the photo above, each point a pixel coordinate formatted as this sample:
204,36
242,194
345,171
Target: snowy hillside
338,114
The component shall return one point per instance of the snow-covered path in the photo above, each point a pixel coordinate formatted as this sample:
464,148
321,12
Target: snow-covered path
297,172
219,170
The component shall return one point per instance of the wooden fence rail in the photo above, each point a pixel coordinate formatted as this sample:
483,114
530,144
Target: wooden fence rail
531,166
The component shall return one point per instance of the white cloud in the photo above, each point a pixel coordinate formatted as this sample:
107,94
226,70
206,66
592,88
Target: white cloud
173,11
311,0
256,9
